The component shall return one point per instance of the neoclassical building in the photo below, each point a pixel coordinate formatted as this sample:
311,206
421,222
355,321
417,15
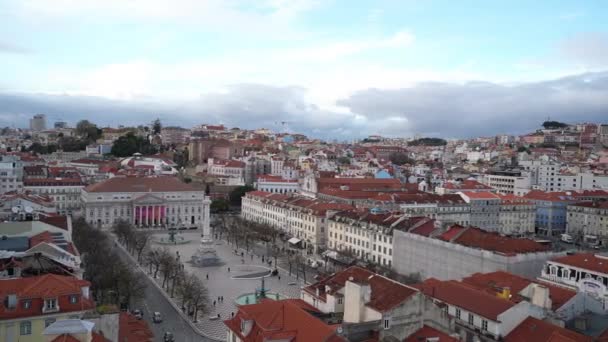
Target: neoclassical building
145,202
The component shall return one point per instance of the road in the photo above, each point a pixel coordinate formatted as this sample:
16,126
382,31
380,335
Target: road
153,301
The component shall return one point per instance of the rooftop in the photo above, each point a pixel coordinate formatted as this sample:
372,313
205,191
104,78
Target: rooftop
491,241
140,184
532,329
588,261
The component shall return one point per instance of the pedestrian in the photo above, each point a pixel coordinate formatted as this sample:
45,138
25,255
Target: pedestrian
228,269
218,315
207,276
222,299
279,277
213,303
232,314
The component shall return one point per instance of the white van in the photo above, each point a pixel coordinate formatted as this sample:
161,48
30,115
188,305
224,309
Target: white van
567,238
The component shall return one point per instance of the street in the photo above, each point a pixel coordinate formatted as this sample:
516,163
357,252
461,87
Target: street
153,301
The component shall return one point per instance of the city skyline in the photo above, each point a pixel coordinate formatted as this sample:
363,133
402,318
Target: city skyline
330,70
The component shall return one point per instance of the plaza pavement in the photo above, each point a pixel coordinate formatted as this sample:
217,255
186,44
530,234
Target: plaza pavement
220,282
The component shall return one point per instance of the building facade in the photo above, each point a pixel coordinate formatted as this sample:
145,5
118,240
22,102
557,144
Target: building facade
145,202
11,173
65,192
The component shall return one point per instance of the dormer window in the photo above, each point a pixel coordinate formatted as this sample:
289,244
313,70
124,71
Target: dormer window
73,299
50,305
27,303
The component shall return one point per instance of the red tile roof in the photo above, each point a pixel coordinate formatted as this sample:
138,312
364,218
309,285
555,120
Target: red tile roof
57,221
491,241
493,283
466,297
133,329
426,332
140,184
41,287
65,338
386,293
290,319
532,329
480,195
588,261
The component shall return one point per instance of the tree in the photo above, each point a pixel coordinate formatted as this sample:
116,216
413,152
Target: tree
219,205
156,126
344,161
428,142
400,158
88,131
554,125
237,194
141,240
42,149
130,144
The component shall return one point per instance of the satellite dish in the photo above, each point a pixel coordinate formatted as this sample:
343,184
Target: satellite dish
15,209
29,210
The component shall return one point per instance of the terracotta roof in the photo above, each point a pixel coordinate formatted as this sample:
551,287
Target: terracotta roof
133,329
592,204
466,297
385,293
289,319
140,184
493,283
57,221
65,338
44,286
427,332
52,182
532,329
491,241
588,261
480,195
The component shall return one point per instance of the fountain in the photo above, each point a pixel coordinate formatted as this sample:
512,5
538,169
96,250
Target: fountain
259,294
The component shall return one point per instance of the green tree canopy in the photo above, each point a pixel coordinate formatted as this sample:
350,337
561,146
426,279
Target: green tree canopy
238,193
219,205
88,131
129,144
554,125
428,142
400,158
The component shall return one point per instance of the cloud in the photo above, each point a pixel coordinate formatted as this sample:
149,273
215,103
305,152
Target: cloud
484,108
431,108
586,49
6,47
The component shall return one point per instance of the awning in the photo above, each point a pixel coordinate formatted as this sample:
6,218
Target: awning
294,241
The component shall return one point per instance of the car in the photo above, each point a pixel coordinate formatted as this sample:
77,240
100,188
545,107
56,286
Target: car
172,228
157,317
168,337
182,228
138,314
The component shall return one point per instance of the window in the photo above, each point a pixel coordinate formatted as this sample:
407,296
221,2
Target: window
339,300
50,304
48,322
458,313
27,304
73,299
387,323
25,328
471,319
484,325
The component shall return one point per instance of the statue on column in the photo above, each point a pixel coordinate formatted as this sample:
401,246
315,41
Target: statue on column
206,254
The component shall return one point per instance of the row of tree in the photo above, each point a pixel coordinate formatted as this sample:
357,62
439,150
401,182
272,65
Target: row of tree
113,281
168,266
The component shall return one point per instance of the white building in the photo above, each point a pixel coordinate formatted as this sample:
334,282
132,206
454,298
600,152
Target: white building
11,173
65,192
509,184
588,218
224,169
38,123
462,251
583,272
159,166
517,216
277,184
485,209
145,202
301,218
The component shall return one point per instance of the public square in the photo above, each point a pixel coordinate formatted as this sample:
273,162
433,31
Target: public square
220,282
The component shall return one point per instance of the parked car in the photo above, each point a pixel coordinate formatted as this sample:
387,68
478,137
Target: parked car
168,337
157,317
138,314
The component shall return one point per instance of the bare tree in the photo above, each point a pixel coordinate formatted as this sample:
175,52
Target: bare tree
141,240
200,298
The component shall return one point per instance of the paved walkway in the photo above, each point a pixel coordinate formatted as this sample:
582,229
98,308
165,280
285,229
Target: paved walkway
220,282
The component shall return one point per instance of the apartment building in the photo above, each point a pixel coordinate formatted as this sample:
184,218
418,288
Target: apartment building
517,215
485,209
508,182
11,173
65,192
303,219
588,218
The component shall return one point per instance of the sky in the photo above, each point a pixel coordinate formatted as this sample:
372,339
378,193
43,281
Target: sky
328,68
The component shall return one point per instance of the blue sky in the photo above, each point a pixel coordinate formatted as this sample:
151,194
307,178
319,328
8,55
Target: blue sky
195,61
